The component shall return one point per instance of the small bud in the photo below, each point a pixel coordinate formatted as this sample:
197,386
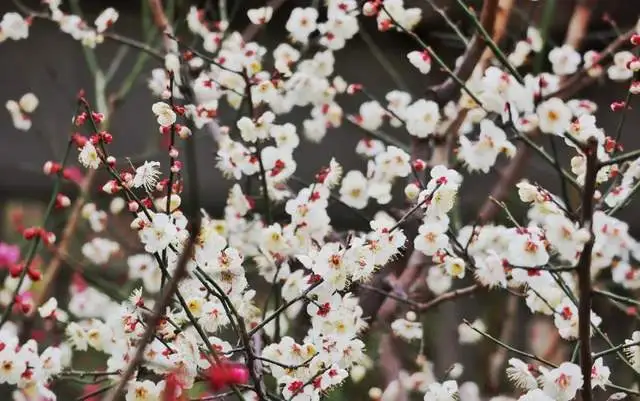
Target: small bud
97,117
180,110
411,316
80,119
174,153
79,140
48,237
106,137
635,88
133,206
176,166
369,9
635,39
412,191
353,88
15,270
34,274
62,201
111,161
183,132
31,232
419,165
375,393
116,205
111,187
617,106
51,168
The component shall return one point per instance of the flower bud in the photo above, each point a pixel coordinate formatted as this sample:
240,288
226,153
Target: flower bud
419,165
617,106
133,206
369,9
635,88
411,191
111,187
111,161
173,153
62,201
51,168
635,39
375,393
31,232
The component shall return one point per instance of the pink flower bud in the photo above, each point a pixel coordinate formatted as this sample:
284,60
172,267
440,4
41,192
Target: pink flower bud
617,106
133,206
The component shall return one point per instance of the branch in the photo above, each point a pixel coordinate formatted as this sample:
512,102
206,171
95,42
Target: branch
448,90
584,271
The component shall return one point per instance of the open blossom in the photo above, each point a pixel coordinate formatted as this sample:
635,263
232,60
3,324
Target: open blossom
164,113
562,383
14,27
88,156
446,391
301,23
421,60
554,116
407,329
422,118
353,190
564,60
520,374
106,18
147,175
259,16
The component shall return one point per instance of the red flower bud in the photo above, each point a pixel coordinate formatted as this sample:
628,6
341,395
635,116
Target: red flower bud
226,374
419,165
635,39
617,106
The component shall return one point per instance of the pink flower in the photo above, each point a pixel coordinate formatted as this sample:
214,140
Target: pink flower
9,254
226,374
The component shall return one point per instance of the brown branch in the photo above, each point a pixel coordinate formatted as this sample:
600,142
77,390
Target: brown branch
448,296
448,90
391,365
584,270
499,28
579,22
162,303
497,359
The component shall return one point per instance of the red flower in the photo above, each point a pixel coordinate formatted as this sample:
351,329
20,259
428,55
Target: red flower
226,374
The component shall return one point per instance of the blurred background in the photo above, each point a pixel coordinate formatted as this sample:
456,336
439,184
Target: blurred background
52,65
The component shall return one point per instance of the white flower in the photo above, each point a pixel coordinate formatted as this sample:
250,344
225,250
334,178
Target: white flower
159,234
301,23
88,156
599,374
519,373
28,103
467,334
14,27
12,366
447,391
143,391
431,237
534,38
259,16
106,18
562,383
165,115
48,309
490,270
353,190
527,250
421,60
619,70
147,175
554,116
564,60
633,351
535,395
422,118
407,329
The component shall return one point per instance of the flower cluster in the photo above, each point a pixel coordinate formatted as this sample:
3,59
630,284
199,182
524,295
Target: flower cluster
167,295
